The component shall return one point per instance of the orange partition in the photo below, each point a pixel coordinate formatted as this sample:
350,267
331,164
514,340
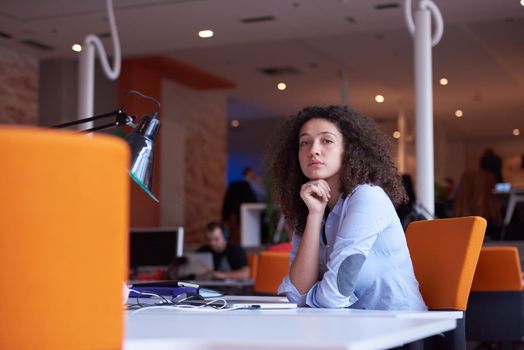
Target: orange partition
64,228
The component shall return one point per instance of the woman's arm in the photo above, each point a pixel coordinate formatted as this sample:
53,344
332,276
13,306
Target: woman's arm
304,269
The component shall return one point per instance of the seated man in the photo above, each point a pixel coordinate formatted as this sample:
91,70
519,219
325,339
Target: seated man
229,259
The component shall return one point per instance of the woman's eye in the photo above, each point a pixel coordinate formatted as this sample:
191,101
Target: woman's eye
303,143
328,141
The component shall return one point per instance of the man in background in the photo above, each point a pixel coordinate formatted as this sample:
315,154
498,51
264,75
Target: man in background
229,259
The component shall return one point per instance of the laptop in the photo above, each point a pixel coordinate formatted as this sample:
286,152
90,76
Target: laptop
255,302
195,265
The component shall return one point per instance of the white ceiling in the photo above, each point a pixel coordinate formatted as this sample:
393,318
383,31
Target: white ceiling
481,52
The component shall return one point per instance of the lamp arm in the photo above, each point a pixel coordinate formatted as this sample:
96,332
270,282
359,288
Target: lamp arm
122,118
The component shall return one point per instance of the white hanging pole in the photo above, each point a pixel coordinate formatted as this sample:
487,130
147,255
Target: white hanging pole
86,69
421,29
344,87
401,149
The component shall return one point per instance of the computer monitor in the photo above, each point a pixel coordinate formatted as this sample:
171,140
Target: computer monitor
157,246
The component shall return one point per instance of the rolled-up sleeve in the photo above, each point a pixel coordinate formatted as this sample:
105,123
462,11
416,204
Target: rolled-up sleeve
362,219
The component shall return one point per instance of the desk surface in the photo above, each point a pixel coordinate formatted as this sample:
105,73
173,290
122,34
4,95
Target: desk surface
302,328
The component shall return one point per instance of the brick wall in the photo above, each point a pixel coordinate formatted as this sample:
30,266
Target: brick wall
201,114
18,88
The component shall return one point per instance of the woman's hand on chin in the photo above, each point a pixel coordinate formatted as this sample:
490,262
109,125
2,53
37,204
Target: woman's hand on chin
315,194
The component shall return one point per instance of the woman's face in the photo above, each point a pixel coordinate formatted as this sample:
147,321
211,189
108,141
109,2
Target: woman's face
320,149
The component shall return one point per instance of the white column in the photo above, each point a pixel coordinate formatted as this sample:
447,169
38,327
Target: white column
86,68
86,83
424,111
401,146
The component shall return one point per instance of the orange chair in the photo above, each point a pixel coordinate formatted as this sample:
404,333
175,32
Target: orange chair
64,228
496,304
444,254
252,259
272,267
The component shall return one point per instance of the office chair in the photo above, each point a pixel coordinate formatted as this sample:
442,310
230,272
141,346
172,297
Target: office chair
444,254
272,267
252,259
496,304
64,227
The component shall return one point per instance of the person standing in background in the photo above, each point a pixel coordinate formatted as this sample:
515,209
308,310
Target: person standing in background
492,163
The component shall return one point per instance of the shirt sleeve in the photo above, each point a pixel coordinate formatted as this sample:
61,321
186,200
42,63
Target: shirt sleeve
363,217
287,287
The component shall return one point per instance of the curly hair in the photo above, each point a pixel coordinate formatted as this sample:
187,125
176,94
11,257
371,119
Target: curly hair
366,160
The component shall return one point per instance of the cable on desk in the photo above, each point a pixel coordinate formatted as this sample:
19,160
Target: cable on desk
186,307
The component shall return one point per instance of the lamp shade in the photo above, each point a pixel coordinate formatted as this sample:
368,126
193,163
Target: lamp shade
141,141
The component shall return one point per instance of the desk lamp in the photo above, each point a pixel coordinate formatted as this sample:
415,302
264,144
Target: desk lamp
141,141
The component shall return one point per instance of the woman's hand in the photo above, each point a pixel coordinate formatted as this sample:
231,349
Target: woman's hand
315,195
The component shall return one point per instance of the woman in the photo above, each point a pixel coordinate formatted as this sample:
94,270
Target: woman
337,186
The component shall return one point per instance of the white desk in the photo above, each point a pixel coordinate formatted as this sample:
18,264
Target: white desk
302,328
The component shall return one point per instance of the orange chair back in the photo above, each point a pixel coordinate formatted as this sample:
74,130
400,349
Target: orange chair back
252,259
272,267
498,270
64,227
444,254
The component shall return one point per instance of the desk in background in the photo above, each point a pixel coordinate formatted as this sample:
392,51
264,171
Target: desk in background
516,195
302,328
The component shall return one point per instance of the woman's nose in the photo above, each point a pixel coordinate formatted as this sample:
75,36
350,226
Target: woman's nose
315,149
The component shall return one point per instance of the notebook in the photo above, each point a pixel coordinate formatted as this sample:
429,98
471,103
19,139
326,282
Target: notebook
256,302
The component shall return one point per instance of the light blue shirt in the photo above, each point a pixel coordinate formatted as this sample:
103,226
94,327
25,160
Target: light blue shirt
365,263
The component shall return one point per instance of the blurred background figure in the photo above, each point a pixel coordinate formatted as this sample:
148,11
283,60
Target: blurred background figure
238,192
475,197
229,259
492,163
251,177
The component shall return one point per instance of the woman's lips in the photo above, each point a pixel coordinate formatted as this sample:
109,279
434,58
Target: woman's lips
315,164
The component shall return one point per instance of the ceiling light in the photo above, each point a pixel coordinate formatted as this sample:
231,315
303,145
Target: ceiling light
396,134
76,47
459,113
516,132
235,123
281,86
444,81
205,33
379,98
522,2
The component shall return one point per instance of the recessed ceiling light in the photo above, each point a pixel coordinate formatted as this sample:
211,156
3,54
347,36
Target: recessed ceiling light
76,47
396,134
235,123
379,98
205,33
522,2
516,132
281,86
459,113
444,81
